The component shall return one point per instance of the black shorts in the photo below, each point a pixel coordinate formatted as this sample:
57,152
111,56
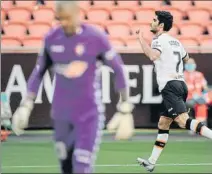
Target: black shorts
174,97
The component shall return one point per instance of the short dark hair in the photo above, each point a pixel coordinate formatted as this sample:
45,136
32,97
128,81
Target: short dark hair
166,18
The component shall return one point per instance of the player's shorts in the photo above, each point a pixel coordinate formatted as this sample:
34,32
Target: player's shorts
83,136
174,97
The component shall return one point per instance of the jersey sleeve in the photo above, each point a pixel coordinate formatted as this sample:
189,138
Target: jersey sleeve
43,63
156,44
112,59
183,52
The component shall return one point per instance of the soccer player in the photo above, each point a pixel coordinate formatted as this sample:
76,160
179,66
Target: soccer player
75,52
168,56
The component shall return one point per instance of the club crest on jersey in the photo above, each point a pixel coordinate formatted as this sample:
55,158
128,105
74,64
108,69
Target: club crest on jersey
80,49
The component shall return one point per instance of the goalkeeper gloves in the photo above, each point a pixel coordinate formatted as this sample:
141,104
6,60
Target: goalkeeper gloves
122,121
21,116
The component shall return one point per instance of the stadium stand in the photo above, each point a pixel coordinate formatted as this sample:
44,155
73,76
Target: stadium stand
39,14
8,41
15,29
31,41
19,14
182,5
122,14
120,19
38,29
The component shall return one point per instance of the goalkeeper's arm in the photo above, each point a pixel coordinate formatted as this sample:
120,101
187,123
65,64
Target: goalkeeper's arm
21,116
122,122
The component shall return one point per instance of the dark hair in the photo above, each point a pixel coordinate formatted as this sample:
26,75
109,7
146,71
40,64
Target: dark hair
166,18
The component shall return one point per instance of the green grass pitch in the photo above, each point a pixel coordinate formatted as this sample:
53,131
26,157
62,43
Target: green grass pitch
190,156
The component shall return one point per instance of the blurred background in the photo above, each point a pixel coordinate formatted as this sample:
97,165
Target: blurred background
25,22
23,25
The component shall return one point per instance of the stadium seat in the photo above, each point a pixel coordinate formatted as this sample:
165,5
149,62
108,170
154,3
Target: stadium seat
209,28
97,25
20,14
156,5
118,29
6,4
98,14
132,42
44,14
191,29
198,15
122,14
3,15
182,5
144,27
32,41
190,43
103,4
203,4
50,4
177,13
82,13
145,14
84,4
128,4
7,41
206,44
38,29
26,4
117,41
15,29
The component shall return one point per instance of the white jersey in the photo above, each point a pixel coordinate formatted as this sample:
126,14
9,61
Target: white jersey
170,64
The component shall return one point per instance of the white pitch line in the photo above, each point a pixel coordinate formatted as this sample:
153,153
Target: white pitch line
113,165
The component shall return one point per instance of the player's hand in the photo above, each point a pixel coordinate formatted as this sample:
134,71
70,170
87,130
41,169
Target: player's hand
21,117
139,34
122,121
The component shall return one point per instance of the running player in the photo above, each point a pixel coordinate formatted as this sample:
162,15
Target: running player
75,52
168,56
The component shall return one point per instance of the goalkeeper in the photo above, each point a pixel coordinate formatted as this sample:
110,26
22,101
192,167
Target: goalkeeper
75,52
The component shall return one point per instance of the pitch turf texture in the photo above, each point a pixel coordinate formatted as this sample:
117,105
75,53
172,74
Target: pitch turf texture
34,153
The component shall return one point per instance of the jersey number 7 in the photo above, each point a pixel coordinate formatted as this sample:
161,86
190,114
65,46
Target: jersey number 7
176,53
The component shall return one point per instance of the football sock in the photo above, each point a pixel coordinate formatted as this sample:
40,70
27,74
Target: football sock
160,143
199,128
66,164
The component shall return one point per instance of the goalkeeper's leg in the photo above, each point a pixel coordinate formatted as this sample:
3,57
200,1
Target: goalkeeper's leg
162,138
88,138
64,144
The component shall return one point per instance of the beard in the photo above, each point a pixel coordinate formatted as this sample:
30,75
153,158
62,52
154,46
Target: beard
153,31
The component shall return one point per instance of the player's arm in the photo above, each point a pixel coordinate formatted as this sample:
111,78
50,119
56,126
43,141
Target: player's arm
44,62
152,53
122,121
112,59
21,116
185,58
185,55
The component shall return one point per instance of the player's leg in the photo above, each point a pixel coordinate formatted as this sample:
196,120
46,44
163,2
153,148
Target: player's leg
64,144
162,138
196,126
183,119
88,137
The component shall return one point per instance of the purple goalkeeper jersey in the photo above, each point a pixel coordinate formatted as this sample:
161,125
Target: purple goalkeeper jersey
76,96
